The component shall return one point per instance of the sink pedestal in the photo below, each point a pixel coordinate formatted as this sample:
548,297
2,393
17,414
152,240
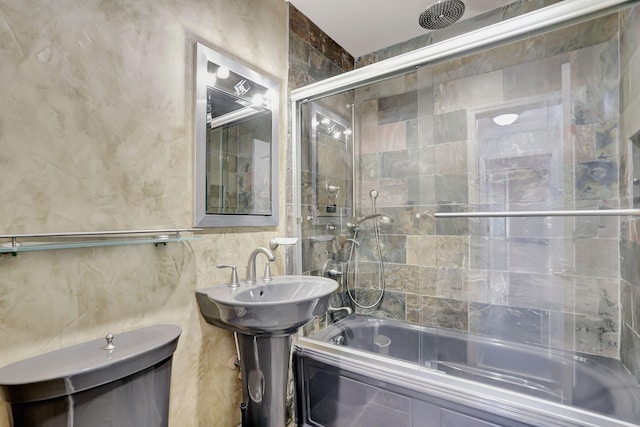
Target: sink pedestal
264,317
265,370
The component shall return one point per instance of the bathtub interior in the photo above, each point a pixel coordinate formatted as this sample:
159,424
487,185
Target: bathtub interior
593,383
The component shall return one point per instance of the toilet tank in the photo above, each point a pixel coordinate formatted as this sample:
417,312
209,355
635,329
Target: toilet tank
93,385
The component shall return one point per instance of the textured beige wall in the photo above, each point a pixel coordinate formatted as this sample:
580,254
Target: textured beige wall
96,134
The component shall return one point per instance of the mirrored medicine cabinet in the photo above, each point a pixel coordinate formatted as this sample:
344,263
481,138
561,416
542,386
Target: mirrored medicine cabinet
236,147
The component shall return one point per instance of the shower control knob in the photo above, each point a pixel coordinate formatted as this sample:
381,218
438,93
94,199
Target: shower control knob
334,272
109,345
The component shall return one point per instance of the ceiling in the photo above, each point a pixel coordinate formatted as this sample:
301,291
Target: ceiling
365,26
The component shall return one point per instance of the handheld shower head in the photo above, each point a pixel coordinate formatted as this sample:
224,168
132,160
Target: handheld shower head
354,224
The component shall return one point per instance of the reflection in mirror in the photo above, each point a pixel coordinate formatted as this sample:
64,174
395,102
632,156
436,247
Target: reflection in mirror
328,157
236,144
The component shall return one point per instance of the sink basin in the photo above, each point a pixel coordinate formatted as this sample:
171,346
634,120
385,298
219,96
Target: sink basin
278,307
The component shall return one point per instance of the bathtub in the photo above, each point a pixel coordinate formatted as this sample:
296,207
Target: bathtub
365,371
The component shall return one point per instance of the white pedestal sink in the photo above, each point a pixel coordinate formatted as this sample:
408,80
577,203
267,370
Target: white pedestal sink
265,315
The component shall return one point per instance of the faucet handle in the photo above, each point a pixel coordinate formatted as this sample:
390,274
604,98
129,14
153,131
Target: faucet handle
277,241
233,281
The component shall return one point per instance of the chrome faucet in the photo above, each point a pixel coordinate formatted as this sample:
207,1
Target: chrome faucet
251,264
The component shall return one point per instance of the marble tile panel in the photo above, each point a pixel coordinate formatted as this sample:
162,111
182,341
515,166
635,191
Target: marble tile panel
425,99
392,305
402,277
400,164
428,281
520,325
452,251
595,64
320,67
486,286
397,49
629,34
468,92
629,266
366,114
426,131
441,312
451,283
534,78
392,192
596,180
452,189
597,335
330,49
382,89
412,132
299,76
629,351
596,297
451,158
581,35
597,257
450,127
299,24
539,255
488,253
628,123
298,50
393,248
635,308
388,137
592,104
333,162
398,108
540,291
369,166
422,250
427,161
595,142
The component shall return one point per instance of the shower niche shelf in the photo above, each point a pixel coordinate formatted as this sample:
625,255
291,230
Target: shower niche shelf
16,243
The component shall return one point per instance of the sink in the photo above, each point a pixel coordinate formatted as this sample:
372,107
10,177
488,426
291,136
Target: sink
278,307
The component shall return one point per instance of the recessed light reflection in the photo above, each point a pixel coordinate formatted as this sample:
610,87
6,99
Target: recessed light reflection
505,119
223,72
325,121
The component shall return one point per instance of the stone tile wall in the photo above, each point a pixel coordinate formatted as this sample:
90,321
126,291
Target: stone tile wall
314,56
630,161
514,9
425,142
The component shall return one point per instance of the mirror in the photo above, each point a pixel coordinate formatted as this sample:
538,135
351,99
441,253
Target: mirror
236,164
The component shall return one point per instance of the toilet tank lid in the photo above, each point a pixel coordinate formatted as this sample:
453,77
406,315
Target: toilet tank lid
80,367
